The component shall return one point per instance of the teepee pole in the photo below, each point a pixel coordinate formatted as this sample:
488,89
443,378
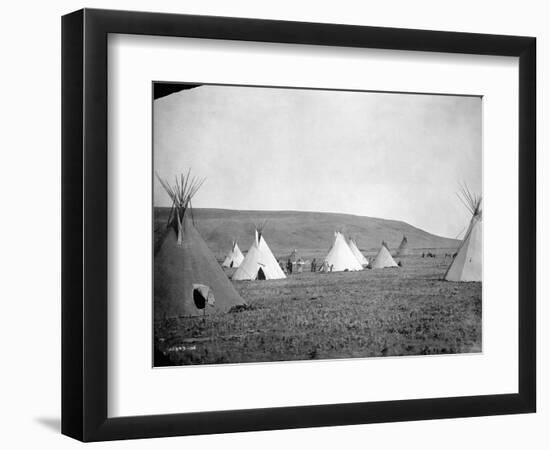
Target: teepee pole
184,188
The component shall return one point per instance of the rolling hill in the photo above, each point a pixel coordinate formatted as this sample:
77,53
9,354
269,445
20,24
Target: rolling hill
309,232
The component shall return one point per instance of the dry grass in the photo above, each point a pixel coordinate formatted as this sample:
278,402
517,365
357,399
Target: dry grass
385,312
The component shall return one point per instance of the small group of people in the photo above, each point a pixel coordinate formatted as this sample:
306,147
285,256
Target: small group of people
288,268
298,266
323,267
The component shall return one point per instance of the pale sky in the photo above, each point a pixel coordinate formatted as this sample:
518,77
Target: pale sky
394,156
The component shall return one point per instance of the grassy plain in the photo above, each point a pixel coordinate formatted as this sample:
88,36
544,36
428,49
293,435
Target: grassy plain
372,313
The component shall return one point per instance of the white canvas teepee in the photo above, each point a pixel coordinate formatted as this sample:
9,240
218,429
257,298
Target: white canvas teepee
383,258
340,256
360,257
234,258
259,263
467,264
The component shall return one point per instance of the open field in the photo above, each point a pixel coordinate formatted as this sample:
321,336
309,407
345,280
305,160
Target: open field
384,312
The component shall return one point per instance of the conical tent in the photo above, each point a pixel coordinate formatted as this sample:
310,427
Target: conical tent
383,258
234,258
188,280
403,249
467,264
340,257
259,263
360,257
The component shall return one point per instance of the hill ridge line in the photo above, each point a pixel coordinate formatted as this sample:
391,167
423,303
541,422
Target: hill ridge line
310,230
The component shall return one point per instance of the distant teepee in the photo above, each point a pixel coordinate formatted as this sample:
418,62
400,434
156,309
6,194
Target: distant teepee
467,264
383,258
360,257
259,263
340,256
234,258
403,249
188,280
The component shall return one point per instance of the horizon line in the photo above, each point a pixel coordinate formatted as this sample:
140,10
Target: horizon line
315,212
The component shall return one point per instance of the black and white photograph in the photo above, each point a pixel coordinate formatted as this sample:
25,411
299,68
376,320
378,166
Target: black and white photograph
270,225
309,224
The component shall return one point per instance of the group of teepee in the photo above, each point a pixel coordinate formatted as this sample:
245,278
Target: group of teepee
259,262
346,256
466,265
341,257
188,280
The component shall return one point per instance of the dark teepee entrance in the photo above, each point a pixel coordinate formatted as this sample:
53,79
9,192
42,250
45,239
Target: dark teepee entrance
199,299
261,274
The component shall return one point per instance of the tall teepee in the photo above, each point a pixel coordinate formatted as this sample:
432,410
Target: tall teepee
403,249
234,258
340,256
360,257
188,280
383,258
467,264
259,263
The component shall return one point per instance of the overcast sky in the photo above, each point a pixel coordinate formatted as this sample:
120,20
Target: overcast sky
395,156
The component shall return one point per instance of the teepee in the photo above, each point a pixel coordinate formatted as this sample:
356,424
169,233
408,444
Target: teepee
403,249
360,257
340,256
467,264
188,281
383,258
259,263
234,258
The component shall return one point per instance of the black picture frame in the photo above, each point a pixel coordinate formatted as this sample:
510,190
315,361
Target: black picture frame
84,224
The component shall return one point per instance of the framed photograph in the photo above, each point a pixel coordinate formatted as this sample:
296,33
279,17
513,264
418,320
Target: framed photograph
273,224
